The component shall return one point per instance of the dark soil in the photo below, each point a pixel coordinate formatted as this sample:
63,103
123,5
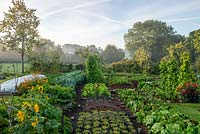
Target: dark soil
113,103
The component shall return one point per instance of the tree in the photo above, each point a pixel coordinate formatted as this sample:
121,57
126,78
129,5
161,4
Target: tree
142,57
175,51
19,28
196,40
46,57
154,36
93,49
191,46
112,54
84,52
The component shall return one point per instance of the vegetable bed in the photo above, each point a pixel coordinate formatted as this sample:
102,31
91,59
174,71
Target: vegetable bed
104,122
157,116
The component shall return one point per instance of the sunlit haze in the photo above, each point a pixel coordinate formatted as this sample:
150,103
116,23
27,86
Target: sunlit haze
102,22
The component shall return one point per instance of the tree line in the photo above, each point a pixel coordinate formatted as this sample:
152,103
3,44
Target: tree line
19,30
152,40
148,41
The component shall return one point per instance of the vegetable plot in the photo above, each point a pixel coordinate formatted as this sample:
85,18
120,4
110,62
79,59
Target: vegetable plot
70,79
95,90
156,115
104,122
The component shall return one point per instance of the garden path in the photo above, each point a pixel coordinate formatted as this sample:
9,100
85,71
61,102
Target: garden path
101,104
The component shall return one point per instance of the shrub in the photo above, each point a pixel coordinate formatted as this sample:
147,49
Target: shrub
125,65
93,69
189,92
185,72
169,77
47,61
95,90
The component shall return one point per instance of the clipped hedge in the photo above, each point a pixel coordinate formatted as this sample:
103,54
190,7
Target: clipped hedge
125,65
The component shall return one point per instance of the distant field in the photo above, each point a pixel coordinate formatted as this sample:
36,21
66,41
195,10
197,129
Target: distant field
8,67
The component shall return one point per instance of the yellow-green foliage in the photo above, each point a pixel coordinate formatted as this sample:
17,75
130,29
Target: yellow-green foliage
125,65
95,90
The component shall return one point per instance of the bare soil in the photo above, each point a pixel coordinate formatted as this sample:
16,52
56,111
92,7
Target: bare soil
104,103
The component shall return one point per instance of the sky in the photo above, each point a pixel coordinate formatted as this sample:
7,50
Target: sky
102,22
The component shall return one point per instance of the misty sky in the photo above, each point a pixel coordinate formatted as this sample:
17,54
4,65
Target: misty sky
103,22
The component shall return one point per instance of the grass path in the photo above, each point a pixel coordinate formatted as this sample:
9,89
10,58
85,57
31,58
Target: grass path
189,109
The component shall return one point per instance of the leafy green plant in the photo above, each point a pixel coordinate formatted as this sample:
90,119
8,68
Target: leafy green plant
172,75
169,76
95,90
185,72
34,114
70,79
156,115
4,119
93,69
62,96
103,122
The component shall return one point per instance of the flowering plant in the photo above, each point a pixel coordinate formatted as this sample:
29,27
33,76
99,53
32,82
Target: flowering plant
35,114
32,113
189,91
29,84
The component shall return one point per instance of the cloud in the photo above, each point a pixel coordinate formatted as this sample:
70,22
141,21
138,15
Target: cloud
81,30
4,7
85,25
78,6
182,19
92,14
161,10
197,25
101,22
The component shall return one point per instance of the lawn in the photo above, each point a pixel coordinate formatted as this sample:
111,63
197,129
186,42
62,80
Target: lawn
189,109
8,70
6,79
8,67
